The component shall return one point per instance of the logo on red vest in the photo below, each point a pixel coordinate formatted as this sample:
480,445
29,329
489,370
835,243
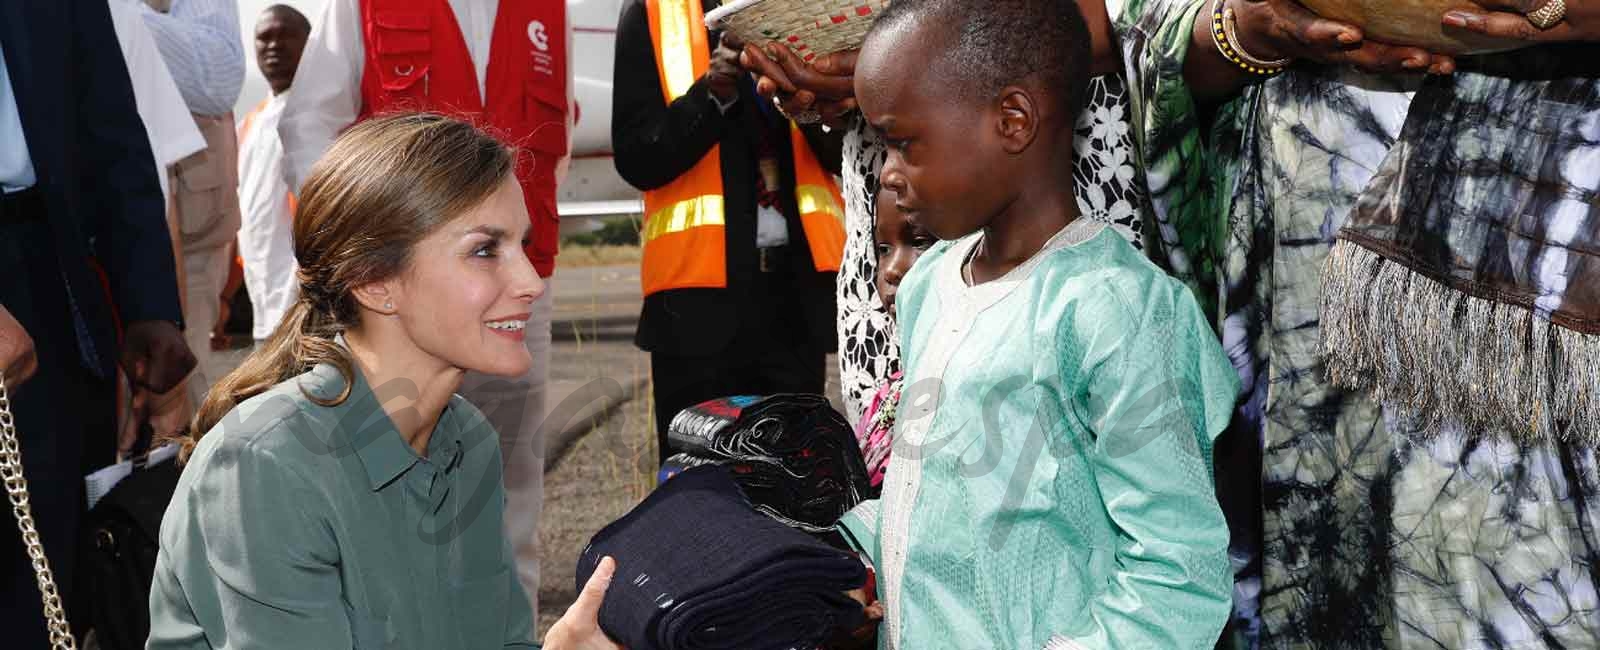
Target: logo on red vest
536,33
543,62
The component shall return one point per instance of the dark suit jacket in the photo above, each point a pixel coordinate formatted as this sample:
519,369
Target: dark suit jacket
655,143
93,163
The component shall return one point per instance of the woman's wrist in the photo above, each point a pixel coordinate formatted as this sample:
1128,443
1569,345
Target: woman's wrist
1255,33
1225,36
1210,74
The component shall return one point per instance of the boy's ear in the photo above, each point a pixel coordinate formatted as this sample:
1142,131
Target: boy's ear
1019,119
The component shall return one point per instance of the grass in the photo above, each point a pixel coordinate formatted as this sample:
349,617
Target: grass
615,241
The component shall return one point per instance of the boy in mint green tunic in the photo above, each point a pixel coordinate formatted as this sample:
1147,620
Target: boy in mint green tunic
1051,480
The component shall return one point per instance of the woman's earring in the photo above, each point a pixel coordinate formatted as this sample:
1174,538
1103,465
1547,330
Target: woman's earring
388,305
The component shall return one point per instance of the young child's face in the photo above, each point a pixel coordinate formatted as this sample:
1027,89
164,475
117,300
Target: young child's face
899,243
946,165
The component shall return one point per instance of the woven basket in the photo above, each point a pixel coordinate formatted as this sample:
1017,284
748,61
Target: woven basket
811,28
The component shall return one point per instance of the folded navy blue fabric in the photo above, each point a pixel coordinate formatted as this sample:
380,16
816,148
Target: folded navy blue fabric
699,568
795,457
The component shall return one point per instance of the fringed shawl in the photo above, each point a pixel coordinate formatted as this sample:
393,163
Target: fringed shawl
1466,284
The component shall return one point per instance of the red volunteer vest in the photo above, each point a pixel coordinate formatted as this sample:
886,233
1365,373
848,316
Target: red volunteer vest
417,60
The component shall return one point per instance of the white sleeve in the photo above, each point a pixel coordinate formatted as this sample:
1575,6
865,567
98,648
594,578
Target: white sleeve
572,106
201,44
326,95
173,134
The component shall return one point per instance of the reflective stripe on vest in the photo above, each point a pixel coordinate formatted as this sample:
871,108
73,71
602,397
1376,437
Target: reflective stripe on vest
684,233
821,207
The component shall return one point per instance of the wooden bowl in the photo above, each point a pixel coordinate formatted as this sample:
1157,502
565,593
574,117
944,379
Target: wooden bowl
1411,22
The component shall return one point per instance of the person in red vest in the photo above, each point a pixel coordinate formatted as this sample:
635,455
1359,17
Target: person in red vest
505,67
742,230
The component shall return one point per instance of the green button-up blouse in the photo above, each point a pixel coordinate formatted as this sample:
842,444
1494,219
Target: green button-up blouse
297,525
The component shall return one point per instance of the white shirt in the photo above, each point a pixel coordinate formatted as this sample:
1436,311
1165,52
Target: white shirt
327,85
16,167
771,228
266,237
201,43
173,135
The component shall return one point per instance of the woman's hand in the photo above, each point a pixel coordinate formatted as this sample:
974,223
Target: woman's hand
1273,30
579,628
1283,29
821,91
1581,22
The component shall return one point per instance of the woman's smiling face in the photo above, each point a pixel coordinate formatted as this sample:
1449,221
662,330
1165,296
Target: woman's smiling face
468,291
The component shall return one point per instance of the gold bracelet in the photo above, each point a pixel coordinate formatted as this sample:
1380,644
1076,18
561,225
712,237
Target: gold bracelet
1224,33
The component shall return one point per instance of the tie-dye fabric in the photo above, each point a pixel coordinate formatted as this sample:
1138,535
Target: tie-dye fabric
1380,529
1466,284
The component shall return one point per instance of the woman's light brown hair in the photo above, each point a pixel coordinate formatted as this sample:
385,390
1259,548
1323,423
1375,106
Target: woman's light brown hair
384,185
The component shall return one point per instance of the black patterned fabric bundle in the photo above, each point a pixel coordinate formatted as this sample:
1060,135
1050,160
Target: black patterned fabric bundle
795,456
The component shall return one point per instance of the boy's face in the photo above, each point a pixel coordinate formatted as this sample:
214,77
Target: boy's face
899,243
945,166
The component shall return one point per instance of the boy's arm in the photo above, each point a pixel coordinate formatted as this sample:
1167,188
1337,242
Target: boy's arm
1158,391
859,527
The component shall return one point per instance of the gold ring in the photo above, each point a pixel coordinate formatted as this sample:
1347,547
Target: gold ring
1549,15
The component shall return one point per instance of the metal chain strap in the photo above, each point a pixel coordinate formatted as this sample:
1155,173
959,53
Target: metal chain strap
17,489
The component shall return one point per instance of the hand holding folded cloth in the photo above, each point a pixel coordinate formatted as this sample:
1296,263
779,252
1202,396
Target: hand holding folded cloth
698,567
579,628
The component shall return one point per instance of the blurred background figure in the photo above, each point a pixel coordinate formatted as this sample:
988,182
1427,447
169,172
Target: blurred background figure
173,136
504,67
172,133
738,281
78,199
200,42
266,203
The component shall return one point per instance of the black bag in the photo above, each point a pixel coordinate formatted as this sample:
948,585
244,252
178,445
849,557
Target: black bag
117,558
